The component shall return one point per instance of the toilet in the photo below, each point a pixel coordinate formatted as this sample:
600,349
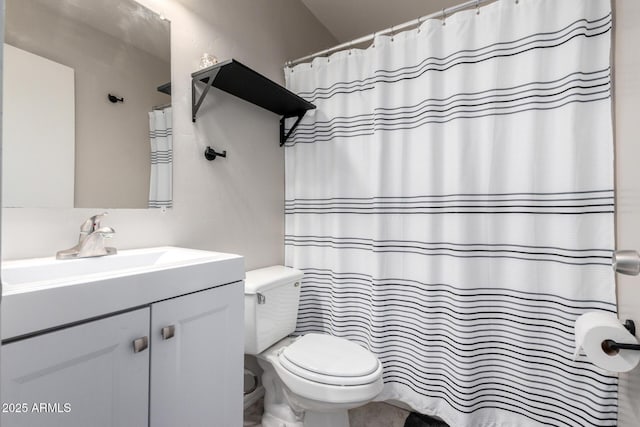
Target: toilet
310,380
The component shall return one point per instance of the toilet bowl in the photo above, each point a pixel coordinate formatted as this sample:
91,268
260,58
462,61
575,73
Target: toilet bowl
310,380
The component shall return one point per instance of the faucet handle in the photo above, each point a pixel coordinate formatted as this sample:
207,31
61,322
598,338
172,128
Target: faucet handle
96,220
92,224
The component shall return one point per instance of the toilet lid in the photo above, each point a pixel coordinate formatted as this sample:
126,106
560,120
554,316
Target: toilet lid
329,359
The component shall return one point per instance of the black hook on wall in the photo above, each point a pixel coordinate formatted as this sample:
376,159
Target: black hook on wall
114,98
211,154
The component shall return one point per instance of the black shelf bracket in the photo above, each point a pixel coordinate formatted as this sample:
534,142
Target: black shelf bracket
283,136
208,78
165,88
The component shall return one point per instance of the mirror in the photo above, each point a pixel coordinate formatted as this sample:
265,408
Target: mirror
87,95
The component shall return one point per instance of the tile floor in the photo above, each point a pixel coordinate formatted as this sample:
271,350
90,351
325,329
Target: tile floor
375,414
378,414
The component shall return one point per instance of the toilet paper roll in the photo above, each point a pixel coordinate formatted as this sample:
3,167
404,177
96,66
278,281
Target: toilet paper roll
592,328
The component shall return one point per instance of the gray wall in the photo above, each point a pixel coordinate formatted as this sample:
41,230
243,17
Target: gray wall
626,81
230,205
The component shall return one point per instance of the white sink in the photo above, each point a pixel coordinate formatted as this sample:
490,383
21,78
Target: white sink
45,272
42,293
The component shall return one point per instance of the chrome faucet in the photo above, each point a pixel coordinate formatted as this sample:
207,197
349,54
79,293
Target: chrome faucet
91,241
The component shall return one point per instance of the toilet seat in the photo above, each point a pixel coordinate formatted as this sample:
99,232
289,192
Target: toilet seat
330,360
324,390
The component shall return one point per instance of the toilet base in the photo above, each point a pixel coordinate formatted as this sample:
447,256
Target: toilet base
281,416
279,409
311,419
270,420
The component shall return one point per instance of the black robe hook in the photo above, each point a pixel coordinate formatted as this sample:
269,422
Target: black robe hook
211,154
114,98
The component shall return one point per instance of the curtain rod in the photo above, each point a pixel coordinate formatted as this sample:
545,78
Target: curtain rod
394,29
161,107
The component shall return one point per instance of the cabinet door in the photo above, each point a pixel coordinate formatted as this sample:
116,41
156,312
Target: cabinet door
85,375
197,363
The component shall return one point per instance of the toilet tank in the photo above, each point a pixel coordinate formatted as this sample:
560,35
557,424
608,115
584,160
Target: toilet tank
271,297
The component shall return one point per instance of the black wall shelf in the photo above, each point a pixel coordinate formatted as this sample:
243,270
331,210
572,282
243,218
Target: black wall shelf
245,83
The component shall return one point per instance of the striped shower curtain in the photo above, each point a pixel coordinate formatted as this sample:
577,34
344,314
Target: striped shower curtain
161,146
451,204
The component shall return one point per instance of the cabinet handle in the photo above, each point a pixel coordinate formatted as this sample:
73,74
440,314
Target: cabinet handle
140,344
168,332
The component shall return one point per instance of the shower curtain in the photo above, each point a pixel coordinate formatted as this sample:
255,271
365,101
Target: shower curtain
161,143
451,204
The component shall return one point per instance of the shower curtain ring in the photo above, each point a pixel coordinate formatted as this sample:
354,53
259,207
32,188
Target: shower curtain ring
444,17
477,7
392,33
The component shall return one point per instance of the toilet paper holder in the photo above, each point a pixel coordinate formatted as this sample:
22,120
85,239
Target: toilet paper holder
612,348
626,262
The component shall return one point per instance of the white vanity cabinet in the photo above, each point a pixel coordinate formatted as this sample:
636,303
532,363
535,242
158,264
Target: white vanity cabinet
190,374
197,346
84,375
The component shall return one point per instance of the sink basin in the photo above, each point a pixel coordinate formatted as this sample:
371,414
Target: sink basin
43,293
44,272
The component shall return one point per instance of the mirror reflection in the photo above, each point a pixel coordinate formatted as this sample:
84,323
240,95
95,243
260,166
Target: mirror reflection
87,106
